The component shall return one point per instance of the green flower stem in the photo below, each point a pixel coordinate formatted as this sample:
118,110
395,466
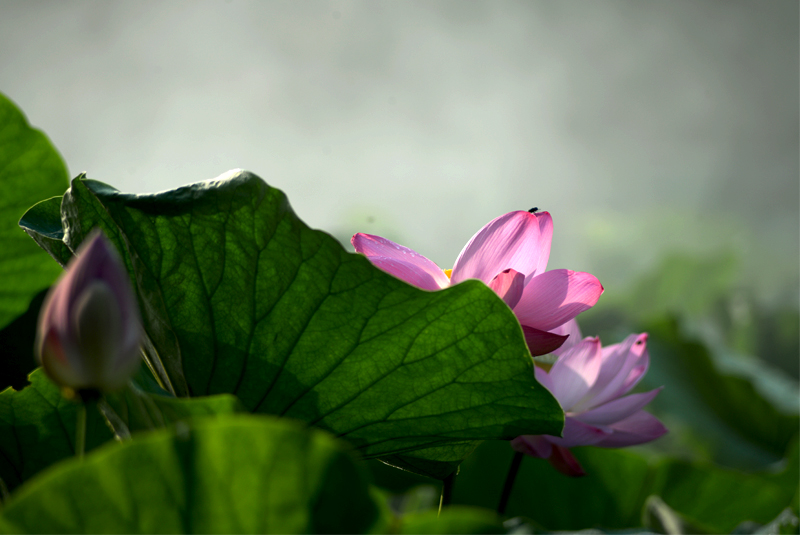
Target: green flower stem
114,422
80,430
447,490
3,492
510,478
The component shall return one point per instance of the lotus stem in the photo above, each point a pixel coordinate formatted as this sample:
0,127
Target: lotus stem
80,431
510,478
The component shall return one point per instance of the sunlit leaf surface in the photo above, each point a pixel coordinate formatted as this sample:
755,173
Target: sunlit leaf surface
30,170
192,480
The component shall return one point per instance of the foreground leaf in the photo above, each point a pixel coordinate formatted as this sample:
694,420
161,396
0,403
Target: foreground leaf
30,169
240,296
453,520
239,475
37,425
37,429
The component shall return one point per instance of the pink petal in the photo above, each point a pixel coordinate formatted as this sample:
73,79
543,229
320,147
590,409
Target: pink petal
639,428
637,372
619,409
619,361
535,446
545,239
576,371
572,331
508,284
408,263
509,241
543,378
577,433
565,462
542,342
412,274
555,297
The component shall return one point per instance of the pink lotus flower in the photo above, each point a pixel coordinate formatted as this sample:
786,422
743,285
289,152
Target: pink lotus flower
589,382
89,326
510,255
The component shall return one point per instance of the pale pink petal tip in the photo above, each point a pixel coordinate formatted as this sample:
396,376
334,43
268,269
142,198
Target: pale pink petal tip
400,261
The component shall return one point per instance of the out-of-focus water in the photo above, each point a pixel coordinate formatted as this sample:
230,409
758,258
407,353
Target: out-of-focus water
642,127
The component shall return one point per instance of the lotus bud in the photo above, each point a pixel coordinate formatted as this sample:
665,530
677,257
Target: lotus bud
89,328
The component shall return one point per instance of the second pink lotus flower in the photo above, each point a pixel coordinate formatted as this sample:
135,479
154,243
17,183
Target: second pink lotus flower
591,384
510,255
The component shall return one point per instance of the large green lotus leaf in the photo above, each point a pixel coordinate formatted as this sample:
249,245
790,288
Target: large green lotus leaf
240,296
30,169
235,475
37,424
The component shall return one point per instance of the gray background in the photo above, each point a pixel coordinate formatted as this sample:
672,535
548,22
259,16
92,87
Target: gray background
643,126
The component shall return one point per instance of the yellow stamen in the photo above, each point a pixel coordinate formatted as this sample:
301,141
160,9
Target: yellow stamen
448,272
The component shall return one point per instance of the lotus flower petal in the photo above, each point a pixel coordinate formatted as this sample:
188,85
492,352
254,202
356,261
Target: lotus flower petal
508,284
509,254
574,373
619,362
578,433
555,297
545,240
589,382
619,409
542,342
534,446
404,261
572,331
411,273
565,462
641,427
509,241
